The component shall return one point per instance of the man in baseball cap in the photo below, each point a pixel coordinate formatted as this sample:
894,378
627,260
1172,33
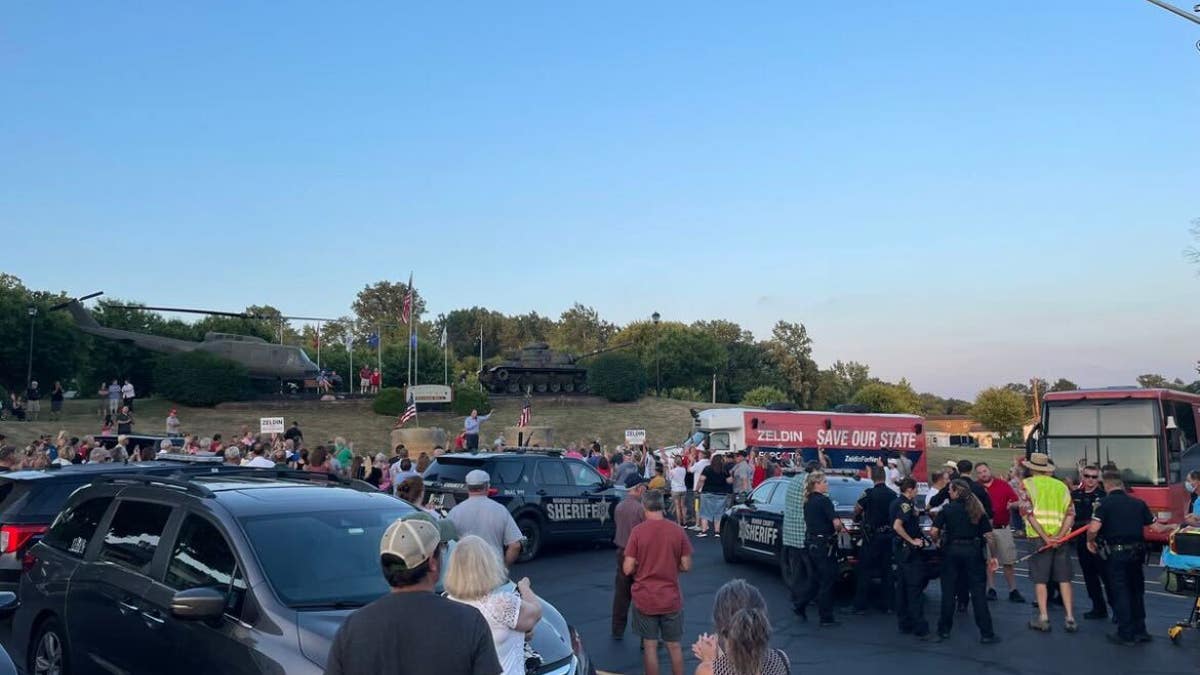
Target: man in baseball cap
486,518
455,638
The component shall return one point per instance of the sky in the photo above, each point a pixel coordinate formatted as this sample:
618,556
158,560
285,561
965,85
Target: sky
963,194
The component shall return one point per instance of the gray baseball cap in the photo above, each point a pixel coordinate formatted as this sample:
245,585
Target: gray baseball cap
478,477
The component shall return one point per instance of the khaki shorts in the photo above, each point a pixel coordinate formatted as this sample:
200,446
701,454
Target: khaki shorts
1003,548
1053,566
665,627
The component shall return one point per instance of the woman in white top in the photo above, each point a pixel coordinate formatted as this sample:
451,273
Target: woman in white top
476,577
678,489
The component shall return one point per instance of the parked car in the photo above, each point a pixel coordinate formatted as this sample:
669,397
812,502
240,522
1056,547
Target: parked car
552,498
239,572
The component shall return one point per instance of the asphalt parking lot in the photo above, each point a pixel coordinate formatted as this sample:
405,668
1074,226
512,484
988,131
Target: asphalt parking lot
579,582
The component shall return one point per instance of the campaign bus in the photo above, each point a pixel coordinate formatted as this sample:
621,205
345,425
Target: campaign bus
851,441
1148,435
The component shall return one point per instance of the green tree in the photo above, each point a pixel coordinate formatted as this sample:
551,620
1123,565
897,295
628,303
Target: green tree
1156,381
1002,410
379,306
200,379
881,397
790,349
581,330
840,383
617,376
1063,384
763,396
58,349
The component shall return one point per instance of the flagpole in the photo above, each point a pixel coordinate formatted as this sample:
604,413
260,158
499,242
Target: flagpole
480,356
350,375
379,348
318,345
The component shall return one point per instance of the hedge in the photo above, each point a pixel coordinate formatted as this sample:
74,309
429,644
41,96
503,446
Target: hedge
617,377
199,378
389,401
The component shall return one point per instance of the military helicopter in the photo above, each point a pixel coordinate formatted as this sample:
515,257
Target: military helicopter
262,359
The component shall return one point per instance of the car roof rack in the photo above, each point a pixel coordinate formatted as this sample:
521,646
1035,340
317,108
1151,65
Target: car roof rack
530,450
190,459
184,484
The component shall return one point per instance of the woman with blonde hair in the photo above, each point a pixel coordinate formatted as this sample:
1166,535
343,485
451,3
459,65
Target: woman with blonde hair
742,643
821,525
476,577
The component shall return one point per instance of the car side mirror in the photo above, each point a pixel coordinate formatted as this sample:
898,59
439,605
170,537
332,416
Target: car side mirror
198,604
8,603
743,498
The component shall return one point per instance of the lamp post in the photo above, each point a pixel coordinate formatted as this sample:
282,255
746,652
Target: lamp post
29,370
657,371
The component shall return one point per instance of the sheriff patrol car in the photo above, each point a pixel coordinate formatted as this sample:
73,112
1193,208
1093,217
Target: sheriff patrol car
752,529
552,498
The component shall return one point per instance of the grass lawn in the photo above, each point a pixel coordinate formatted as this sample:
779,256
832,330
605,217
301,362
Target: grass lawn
574,419
665,421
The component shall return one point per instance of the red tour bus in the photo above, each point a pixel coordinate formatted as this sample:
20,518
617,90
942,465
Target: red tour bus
1149,435
851,441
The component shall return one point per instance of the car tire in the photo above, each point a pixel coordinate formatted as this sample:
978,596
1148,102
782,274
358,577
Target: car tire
50,647
729,538
531,529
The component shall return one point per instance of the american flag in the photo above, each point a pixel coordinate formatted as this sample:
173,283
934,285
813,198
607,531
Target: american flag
406,312
524,421
409,413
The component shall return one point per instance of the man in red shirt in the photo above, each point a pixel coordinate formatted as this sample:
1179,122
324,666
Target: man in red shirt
1004,549
657,551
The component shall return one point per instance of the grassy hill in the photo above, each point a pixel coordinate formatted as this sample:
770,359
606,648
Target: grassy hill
574,419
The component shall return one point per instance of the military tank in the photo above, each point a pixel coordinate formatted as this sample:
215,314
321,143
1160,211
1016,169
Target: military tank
537,369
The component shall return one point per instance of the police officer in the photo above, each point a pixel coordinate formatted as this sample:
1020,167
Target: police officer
910,561
821,527
1116,535
964,529
874,556
1086,497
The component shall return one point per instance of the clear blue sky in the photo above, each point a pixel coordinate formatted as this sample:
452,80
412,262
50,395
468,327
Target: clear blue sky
963,193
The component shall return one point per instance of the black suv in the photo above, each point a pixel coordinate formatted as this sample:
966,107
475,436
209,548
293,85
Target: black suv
29,501
552,498
231,573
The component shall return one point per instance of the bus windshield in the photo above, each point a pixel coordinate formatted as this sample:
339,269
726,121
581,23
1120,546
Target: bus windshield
1125,433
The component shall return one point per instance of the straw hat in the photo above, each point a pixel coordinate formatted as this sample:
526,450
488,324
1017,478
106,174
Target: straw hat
1039,462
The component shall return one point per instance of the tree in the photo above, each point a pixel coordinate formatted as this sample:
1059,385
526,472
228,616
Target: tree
617,376
58,349
763,396
790,349
881,397
1063,384
840,383
581,330
380,306
1155,381
200,379
1000,409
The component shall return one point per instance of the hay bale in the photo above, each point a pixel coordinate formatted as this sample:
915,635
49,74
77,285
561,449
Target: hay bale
421,439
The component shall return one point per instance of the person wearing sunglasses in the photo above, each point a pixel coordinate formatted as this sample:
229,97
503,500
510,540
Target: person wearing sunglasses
1086,497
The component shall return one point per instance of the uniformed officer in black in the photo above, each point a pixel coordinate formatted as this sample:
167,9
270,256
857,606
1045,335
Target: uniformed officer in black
1086,497
964,529
875,554
910,561
1116,534
963,470
821,527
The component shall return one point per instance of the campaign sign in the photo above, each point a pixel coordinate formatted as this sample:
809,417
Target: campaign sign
270,425
635,437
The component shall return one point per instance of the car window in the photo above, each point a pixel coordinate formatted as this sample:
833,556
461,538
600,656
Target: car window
583,475
762,494
779,498
74,527
202,558
450,471
133,534
846,495
509,473
552,473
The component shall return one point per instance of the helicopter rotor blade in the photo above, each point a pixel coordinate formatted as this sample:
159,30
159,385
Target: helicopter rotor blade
240,315
63,305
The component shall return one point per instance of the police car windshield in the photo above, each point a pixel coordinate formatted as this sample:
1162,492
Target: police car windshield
323,560
845,495
452,470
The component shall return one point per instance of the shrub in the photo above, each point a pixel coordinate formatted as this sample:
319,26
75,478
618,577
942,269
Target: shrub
760,397
617,377
389,401
685,394
467,399
198,378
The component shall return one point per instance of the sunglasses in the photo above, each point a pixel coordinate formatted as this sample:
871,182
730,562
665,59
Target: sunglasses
1092,476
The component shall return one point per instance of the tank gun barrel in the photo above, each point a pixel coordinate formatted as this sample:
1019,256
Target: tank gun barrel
577,359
